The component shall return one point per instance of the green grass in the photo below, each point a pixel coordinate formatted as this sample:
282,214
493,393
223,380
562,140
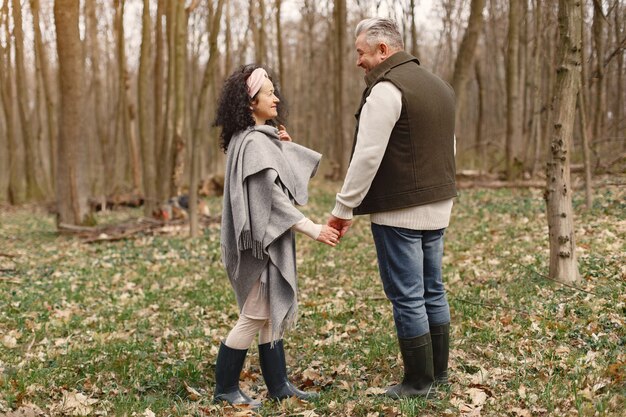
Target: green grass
130,325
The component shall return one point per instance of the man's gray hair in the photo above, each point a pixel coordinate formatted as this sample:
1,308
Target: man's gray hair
380,30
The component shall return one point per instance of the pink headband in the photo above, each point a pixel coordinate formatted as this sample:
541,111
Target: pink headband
255,81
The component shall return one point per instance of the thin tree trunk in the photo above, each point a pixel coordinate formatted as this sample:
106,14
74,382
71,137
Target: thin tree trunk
17,184
535,122
339,17
207,82
47,81
582,112
71,199
600,103
34,190
279,44
465,57
159,118
414,46
104,172
228,42
563,265
523,81
480,142
513,117
164,178
550,89
619,102
180,58
127,107
257,24
145,114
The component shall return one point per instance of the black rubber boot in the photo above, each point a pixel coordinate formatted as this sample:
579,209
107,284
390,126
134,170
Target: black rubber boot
440,336
274,368
227,370
417,355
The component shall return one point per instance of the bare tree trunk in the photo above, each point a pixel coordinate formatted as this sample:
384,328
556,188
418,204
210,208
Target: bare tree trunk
563,265
465,57
34,190
207,82
146,124
582,112
228,43
104,173
598,36
159,118
164,176
513,117
619,102
535,122
480,142
279,44
339,156
180,58
414,46
70,192
257,24
47,81
550,88
523,82
127,108
17,184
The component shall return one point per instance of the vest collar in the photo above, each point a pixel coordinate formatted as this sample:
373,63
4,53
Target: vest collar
393,61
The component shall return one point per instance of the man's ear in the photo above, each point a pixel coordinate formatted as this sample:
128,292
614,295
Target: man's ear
383,48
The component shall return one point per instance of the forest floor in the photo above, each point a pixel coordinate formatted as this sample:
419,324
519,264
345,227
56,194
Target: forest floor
132,327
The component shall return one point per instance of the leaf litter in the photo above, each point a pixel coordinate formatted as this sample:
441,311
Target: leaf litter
132,327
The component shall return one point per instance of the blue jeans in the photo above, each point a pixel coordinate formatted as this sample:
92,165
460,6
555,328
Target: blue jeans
410,268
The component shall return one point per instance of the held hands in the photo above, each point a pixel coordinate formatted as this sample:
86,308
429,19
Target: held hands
328,235
342,225
282,134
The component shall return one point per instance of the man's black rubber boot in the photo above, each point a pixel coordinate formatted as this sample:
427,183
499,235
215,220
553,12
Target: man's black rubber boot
227,370
440,336
274,368
417,355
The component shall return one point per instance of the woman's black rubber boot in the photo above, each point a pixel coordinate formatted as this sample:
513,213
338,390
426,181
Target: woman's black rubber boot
227,370
274,368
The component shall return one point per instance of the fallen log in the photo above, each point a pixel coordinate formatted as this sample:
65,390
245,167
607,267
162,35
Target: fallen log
495,184
128,229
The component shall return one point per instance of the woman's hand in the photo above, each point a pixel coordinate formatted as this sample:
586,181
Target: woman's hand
328,235
282,134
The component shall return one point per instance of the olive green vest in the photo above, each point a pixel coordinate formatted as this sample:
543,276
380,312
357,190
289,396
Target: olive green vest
418,166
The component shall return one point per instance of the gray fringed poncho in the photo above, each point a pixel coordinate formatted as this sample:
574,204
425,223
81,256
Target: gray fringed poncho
256,234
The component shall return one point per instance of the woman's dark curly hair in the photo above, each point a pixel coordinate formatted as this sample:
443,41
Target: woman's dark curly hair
233,108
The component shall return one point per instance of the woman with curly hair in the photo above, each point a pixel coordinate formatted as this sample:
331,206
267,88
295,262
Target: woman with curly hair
266,174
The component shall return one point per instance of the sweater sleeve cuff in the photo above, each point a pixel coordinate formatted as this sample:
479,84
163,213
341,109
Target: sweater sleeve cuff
306,226
341,211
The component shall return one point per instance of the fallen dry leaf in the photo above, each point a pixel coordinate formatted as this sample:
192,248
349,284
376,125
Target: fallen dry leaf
193,395
76,404
477,395
9,342
375,391
521,412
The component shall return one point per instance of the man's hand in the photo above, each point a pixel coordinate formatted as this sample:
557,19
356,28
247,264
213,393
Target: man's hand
282,134
342,225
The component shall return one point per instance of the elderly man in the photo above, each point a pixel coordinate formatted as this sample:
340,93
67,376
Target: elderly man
402,173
